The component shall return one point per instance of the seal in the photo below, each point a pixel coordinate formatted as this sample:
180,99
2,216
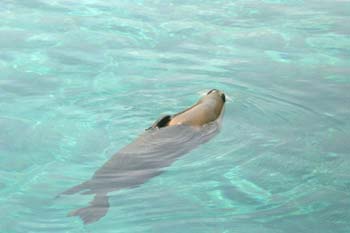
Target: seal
146,157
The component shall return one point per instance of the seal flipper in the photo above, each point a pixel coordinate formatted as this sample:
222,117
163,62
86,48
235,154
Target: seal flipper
97,209
76,189
162,122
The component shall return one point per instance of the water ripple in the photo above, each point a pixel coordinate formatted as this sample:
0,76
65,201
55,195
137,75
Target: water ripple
80,80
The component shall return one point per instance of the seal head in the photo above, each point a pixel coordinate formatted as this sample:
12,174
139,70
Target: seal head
207,109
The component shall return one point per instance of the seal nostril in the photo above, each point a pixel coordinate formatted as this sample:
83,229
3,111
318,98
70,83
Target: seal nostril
223,97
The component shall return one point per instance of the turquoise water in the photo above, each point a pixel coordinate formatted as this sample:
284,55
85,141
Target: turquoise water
81,79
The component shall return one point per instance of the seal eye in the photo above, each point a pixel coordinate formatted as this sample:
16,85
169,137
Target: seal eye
223,97
212,90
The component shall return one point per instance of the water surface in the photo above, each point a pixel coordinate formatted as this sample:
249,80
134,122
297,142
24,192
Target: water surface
81,79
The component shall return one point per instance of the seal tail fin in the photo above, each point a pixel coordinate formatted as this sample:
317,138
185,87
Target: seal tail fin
97,209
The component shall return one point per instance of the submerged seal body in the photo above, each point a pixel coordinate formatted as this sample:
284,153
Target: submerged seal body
166,140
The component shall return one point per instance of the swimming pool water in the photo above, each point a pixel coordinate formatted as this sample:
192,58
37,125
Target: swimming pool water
81,79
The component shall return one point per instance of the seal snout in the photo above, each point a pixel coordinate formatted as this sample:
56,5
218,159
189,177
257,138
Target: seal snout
223,97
